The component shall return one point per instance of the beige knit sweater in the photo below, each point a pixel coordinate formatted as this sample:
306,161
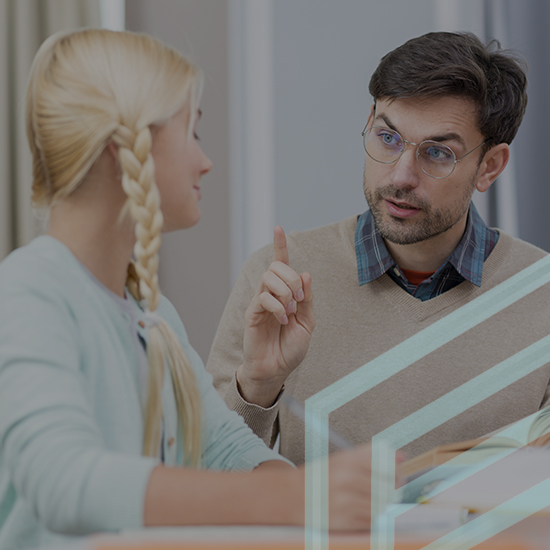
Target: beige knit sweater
356,323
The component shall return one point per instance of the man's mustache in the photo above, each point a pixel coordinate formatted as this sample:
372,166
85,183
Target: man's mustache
393,193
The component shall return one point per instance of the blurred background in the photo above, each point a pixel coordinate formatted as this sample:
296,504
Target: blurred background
285,100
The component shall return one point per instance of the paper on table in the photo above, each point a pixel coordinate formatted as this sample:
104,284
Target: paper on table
495,484
428,519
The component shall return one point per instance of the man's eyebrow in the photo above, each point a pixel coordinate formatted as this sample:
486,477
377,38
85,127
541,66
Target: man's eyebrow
450,136
387,122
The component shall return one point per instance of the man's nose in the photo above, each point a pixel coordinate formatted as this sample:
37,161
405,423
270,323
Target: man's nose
406,172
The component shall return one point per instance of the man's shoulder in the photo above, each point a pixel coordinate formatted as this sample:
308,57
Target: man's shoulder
510,256
518,251
311,246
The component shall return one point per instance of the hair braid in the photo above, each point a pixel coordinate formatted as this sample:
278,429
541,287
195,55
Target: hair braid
138,183
144,205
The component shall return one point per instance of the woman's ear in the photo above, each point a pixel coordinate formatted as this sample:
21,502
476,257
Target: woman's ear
113,155
492,165
112,147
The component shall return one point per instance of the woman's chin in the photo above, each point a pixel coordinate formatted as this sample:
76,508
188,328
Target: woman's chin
176,225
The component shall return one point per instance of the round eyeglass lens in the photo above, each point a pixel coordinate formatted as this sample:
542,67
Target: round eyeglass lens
382,144
435,159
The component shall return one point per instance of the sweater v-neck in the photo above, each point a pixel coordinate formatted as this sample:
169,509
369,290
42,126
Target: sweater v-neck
423,310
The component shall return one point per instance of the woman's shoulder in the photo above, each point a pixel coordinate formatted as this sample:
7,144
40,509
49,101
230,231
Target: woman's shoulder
44,276
43,262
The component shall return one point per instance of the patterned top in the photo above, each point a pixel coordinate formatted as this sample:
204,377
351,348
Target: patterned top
465,263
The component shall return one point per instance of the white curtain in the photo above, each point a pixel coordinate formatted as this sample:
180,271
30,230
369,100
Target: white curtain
529,21
24,25
503,203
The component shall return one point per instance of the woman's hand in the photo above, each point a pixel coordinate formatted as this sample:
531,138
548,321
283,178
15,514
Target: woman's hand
350,479
278,327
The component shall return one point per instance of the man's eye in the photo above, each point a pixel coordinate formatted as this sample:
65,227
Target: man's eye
388,138
438,153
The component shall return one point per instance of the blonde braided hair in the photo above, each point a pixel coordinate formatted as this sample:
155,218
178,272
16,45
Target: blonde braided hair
144,204
87,88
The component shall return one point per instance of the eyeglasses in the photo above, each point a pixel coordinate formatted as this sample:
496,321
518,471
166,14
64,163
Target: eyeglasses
435,159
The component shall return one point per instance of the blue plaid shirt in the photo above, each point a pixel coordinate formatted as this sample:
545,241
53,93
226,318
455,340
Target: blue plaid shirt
465,263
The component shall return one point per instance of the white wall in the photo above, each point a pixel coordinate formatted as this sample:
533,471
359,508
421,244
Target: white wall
113,14
324,55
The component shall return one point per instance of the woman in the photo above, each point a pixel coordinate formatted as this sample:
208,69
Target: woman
102,400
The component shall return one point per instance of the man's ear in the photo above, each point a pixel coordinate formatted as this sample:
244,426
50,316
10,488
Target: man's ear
492,165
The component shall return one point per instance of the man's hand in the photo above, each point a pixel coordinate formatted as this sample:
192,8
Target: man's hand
278,327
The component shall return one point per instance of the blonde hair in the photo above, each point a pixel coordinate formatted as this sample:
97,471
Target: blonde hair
88,88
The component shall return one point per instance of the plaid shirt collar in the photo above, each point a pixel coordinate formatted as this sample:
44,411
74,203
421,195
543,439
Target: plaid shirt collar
373,258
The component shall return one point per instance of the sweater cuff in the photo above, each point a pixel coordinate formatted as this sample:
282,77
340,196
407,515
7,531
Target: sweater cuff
260,420
118,496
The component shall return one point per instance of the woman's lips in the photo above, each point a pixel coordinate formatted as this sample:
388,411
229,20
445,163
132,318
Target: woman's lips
198,190
402,210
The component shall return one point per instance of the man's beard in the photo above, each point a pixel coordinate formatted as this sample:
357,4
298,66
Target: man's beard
407,230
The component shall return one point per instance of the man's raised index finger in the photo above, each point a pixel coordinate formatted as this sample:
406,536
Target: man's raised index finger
280,250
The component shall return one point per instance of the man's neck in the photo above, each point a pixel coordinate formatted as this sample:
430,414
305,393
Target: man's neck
430,254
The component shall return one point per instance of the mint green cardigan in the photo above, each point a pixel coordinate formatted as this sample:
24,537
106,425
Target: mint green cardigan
71,395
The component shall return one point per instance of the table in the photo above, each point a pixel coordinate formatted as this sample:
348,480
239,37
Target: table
532,533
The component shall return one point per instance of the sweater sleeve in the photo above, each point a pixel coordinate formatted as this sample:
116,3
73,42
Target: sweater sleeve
226,354
228,443
50,445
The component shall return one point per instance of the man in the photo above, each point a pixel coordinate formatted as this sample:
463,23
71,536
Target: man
446,107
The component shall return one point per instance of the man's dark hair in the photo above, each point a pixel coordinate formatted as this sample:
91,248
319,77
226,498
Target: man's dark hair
458,64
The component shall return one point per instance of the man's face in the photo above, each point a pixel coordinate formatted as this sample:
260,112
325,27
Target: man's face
408,205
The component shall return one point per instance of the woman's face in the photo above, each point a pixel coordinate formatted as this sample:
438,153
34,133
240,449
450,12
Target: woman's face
179,166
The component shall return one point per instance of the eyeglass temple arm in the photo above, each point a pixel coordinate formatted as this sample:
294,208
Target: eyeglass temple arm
474,149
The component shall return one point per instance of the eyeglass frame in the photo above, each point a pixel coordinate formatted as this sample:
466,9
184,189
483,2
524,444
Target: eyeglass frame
405,141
